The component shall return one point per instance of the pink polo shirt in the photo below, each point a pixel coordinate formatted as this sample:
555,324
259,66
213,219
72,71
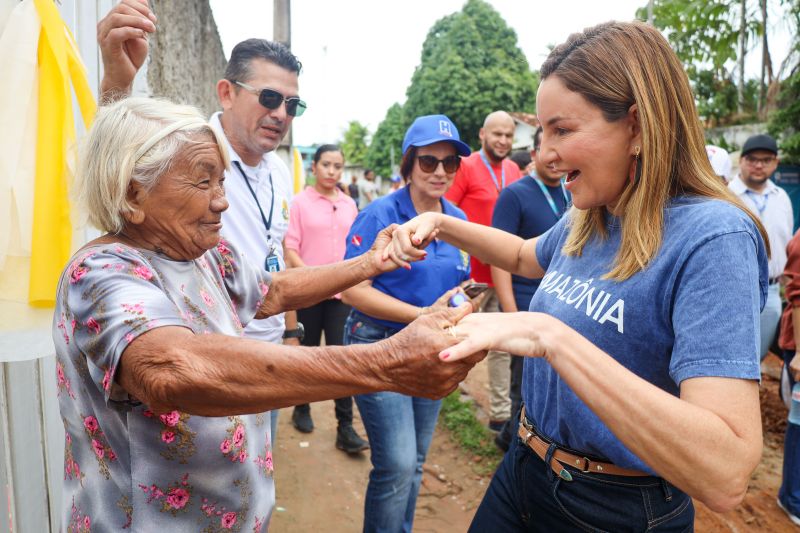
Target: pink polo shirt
318,226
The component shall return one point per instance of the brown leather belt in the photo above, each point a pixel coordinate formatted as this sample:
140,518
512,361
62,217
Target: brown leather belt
561,457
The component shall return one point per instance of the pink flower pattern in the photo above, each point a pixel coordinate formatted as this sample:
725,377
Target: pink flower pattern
103,304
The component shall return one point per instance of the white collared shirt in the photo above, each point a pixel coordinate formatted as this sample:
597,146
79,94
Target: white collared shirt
773,207
242,223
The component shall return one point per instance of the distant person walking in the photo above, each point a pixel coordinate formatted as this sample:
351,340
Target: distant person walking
352,189
789,494
319,220
475,189
367,189
753,186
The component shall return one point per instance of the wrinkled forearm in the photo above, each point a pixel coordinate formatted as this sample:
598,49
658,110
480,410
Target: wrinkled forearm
298,288
218,375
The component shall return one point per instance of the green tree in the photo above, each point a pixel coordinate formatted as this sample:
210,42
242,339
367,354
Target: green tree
470,66
388,136
785,121
354,145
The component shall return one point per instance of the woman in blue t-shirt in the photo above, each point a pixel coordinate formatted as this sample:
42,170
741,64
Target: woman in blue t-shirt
400,427
641,382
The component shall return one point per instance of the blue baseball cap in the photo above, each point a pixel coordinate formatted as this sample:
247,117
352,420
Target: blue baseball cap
431,129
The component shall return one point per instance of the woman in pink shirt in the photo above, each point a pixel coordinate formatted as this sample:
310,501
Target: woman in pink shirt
319,220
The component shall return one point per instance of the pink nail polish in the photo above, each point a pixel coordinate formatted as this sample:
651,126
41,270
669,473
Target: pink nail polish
444,355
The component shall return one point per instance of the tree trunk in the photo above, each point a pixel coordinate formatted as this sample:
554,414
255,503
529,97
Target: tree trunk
742,39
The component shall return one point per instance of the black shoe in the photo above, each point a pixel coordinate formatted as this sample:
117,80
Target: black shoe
348,440
301,420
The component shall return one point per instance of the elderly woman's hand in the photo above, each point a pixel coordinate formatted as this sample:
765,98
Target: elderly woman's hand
408,241
411,365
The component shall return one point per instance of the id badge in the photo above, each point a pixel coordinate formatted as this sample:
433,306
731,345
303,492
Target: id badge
271,263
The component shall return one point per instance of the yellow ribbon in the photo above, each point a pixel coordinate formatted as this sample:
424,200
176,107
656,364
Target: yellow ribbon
59,64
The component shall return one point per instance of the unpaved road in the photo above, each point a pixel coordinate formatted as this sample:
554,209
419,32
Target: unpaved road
320,488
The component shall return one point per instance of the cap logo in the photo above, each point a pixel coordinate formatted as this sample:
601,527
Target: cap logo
444,128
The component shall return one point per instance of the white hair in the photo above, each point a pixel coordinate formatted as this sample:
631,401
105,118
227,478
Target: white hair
134,139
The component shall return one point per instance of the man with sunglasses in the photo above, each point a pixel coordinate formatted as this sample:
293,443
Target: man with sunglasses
259,100
475,189
753,186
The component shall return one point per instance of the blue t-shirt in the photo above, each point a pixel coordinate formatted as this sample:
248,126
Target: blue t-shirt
523,210
445,266
681,317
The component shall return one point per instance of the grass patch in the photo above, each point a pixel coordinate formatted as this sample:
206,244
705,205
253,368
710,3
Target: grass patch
459,418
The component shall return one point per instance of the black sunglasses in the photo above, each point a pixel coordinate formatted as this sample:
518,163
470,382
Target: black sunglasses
428,163
272,99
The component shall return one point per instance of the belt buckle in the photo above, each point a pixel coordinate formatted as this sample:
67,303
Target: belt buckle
528,433
585,468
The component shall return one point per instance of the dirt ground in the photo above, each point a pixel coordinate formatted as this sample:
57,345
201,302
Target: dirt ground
319,488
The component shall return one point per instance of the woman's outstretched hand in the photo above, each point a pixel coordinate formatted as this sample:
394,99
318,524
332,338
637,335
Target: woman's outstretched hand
410,239
526,334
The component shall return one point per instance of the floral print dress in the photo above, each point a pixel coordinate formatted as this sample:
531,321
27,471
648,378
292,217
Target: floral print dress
126,467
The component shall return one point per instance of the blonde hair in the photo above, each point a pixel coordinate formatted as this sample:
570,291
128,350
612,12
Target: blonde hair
132,140
614,66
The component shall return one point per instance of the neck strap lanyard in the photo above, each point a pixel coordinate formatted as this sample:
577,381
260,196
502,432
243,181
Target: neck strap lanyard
267,222
759,200
549,197
502,184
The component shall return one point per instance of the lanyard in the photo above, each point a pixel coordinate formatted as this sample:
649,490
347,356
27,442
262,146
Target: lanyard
267,223
549,197
759,200
502,184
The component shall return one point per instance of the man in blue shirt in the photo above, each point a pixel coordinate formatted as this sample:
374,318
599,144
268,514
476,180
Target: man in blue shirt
527,208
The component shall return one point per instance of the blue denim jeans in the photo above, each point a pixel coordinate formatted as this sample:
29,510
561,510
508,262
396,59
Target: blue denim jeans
525,495
770,318
789,493
399,429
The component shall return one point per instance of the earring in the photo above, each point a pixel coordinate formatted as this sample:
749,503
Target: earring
638,173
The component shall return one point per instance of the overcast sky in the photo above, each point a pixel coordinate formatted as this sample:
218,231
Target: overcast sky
358,55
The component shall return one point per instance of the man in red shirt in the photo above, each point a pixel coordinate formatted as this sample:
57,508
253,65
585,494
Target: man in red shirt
475,189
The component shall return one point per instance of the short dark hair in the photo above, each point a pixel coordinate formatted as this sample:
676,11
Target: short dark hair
367,171
407,163
521,158
325,148
245,52
537,138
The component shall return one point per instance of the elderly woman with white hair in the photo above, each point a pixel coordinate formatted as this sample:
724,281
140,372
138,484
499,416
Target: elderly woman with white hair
159,394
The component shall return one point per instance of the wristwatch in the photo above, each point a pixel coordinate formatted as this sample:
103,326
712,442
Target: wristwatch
297,333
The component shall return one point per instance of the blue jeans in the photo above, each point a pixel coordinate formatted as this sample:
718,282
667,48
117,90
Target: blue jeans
399,429
770,317
789,493
525,495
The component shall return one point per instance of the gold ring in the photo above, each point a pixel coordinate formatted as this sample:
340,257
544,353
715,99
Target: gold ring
452,331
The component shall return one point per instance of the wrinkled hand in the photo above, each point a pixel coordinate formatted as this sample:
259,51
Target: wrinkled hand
517,333
443,302
381,260
794,366
122,36
412,366
409,240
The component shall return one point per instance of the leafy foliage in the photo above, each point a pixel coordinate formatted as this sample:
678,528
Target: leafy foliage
716,98
701,31
785,122
354,145
470,66
389,135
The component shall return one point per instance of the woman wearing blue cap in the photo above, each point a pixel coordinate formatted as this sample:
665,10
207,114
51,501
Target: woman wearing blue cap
400,427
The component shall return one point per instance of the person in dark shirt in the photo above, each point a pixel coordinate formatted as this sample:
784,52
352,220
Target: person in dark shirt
527,208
